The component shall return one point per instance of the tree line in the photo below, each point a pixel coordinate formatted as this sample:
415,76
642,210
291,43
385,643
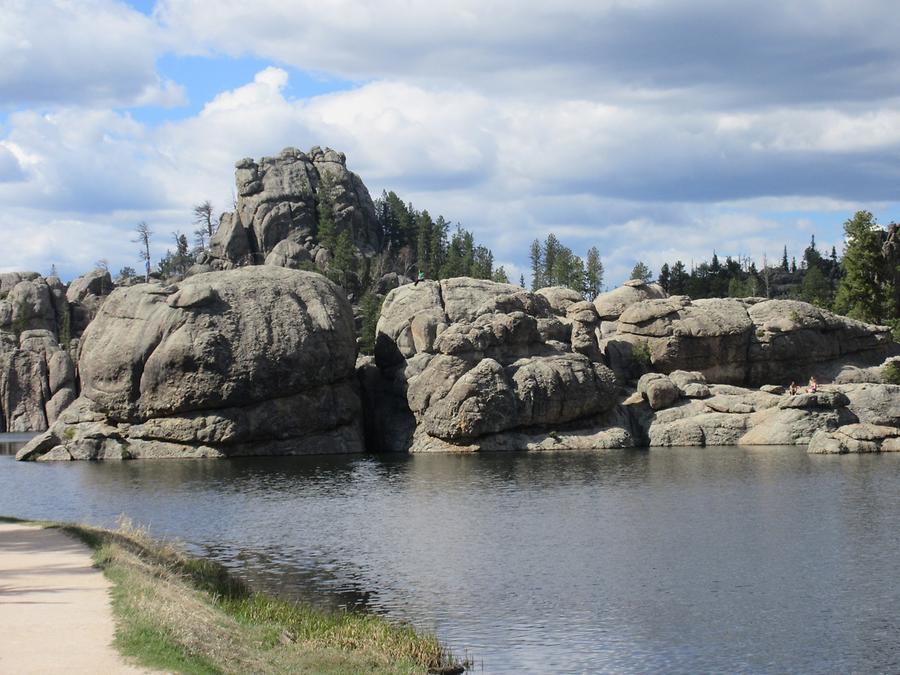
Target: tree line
863,283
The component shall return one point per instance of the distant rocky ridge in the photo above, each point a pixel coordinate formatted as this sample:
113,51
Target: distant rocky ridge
277,209
258,360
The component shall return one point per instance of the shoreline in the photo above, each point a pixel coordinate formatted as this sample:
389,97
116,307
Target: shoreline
182,613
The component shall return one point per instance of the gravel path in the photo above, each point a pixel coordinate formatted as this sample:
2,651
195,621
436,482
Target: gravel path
55,613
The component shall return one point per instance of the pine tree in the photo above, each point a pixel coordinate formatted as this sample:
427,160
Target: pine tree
784,260
678,283
593,273
537,265
501,276
642,272
862,293
551,248
665,277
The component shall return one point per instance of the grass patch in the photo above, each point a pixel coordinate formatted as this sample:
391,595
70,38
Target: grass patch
183,614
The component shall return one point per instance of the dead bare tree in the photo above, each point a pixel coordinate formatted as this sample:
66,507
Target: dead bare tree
144,233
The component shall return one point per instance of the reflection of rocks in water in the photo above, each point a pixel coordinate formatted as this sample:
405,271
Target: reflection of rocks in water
318,585
11,443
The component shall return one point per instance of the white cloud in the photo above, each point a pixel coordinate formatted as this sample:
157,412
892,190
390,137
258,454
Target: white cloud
743,52
637,181
97,52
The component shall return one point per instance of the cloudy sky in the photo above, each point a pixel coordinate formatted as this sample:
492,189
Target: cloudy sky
653,129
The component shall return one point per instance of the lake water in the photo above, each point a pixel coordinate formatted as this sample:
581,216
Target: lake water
676,560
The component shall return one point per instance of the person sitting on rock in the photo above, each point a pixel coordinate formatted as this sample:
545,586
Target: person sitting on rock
812,386
419,277
792,390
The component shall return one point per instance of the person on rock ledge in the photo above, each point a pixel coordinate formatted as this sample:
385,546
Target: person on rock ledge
812,386
792,390
419,277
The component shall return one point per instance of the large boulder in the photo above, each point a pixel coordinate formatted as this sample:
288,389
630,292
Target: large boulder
741,341
257,360
610,305
280,198
468,364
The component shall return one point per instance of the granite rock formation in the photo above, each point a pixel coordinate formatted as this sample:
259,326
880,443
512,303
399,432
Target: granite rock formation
278,200
466,364
37,373
749,341
258,360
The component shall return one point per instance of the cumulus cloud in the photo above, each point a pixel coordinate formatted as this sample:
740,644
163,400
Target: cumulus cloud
636,182
740,53
96,52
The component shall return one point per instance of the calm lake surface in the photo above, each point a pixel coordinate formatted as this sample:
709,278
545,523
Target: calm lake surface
674,560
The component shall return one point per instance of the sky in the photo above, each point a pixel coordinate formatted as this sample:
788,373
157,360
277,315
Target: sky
655,130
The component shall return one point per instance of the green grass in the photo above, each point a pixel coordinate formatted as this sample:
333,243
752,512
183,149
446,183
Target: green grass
183,614
891,372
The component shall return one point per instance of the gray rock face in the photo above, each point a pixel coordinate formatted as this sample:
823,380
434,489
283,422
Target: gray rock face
735,415
85,295
659,391
855,438
467,364
289,254
750,341
257,360
278,199
610,305
37,376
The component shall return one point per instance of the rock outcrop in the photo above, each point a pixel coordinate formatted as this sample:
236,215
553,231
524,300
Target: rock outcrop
740,341
37,373
279,199
258,360
466,364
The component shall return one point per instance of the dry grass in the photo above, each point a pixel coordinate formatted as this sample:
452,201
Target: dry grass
188,615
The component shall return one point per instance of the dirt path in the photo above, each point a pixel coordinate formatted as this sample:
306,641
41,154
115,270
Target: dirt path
55,613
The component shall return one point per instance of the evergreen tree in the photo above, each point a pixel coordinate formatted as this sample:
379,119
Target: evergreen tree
593,273
343,257
862,293
679,278
641,271
482,263
424,234
665,277
522,280
811,256
551,249
501,276
370,308
784,260
815,288
537,265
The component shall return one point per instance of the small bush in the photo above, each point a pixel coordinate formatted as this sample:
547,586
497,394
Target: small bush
640,352
891,372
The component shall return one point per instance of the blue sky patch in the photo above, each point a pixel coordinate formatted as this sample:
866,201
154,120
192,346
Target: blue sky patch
203,77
